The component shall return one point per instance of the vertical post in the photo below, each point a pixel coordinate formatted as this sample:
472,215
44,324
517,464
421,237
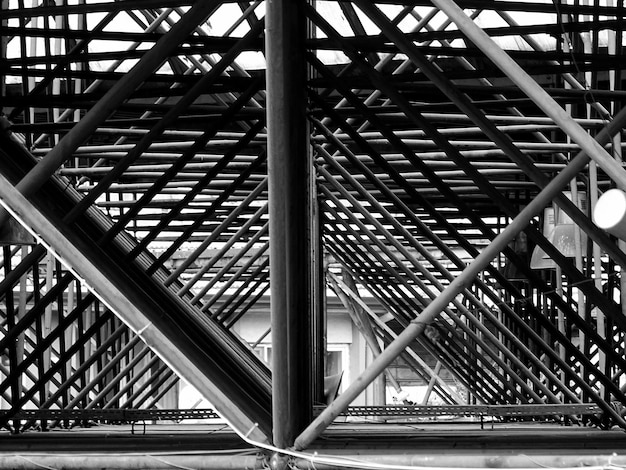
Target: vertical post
289,172
4,40
318,304
318,268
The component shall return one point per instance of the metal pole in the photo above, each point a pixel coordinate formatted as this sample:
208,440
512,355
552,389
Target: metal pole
442,460
431,383
289,171
157,461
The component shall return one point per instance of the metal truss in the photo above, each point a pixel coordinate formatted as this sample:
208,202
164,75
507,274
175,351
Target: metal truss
162,160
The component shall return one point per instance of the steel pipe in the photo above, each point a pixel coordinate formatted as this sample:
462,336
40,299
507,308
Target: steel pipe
290,187
208,461
154,461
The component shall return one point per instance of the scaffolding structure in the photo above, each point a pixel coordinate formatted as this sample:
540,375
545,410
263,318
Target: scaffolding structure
167,165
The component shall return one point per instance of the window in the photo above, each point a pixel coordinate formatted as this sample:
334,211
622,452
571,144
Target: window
264,352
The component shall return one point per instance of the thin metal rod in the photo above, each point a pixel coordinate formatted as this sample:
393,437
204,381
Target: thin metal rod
428,256
86,388
228,314
253,259
264,287
244,229
101,400
399,302
123,88
228,221
490,129
410,216
596,296
486,364
168,119
148,389
133,376
49,374
364,326
433,375
208,212
533,90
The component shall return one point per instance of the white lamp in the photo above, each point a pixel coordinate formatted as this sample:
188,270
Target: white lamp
610,213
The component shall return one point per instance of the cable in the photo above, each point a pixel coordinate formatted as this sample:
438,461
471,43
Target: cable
158,459
36,463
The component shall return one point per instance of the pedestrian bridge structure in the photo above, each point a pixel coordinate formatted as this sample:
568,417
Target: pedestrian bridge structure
449,173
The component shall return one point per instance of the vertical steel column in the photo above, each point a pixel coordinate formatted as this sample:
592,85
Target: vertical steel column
4,40
318,303
289,171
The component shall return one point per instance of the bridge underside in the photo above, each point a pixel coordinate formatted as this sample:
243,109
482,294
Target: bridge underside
431,169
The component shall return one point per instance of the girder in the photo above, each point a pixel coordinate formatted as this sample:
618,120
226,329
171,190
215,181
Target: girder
199,171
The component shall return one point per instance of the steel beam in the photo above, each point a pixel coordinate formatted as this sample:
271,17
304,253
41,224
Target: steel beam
289,171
